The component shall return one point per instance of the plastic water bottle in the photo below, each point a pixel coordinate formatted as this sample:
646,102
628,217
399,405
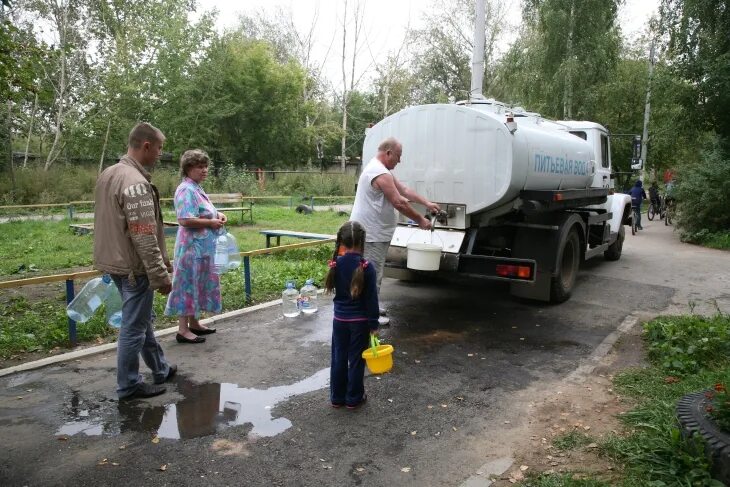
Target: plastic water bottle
113,305
220,260
308,297
234,257
290,300
83,306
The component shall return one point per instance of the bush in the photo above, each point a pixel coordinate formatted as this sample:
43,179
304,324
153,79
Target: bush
686,344
703,193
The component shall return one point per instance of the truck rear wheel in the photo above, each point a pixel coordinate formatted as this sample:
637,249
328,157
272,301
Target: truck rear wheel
613,252
561,285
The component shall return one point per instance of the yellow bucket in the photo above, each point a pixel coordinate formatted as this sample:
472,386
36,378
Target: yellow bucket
379,358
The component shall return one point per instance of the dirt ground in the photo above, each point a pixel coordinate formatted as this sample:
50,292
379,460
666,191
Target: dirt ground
585,404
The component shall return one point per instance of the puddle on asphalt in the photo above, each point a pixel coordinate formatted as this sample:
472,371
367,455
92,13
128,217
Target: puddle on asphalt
204,409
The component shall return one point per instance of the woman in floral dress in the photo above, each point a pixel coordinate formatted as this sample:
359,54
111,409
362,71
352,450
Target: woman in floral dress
195,285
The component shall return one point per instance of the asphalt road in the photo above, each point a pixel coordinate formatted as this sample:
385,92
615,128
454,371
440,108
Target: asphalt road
250,406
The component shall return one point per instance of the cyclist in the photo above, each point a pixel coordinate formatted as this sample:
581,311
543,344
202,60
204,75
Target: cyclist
638,195
654,197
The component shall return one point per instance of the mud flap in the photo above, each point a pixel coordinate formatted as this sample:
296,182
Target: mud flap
538,290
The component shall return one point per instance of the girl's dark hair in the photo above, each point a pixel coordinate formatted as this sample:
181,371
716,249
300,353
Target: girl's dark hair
351,235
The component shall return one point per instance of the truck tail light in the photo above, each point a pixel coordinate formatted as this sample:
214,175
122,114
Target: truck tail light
514,271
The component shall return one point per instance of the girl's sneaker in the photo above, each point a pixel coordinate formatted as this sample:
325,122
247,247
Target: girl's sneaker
355,406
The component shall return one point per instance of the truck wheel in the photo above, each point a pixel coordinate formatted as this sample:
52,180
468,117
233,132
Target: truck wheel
613,252
561,285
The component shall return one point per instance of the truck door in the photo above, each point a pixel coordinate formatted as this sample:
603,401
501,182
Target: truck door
602,178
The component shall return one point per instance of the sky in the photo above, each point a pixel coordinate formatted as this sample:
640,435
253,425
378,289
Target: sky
385,23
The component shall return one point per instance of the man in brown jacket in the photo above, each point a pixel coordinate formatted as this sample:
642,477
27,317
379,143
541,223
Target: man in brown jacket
129,245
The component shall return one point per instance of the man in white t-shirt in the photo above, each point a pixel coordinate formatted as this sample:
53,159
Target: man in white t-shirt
379,194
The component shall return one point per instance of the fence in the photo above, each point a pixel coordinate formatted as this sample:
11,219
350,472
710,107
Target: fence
70,278
71,205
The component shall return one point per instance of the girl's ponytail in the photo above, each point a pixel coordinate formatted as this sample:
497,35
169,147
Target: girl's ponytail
358,279
329,283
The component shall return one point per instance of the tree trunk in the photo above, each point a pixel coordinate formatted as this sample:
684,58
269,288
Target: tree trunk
30,131
103,149
9,153
344,92
61,91
568,88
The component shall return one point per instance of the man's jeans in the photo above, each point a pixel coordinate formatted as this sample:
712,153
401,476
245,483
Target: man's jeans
136,336
375,253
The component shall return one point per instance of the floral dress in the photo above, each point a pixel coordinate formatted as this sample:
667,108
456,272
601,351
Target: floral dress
195,285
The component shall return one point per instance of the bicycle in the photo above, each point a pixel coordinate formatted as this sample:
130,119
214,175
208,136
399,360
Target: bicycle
669,212
652,211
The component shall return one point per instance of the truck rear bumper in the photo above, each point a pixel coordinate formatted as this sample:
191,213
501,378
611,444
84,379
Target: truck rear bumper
482,266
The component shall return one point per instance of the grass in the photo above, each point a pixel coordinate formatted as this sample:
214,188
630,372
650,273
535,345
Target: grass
32,320
571,441
686,355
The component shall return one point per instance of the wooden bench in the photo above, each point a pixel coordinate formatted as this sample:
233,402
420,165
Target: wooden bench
234,199
88,228
289,233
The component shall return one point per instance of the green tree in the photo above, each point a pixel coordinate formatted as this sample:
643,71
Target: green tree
443,49
248,106
567,49
699,48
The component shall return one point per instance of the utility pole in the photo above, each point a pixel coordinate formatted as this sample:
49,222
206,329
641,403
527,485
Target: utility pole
647,112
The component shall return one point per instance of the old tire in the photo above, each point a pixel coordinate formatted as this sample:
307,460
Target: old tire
561,284
613,252
693,419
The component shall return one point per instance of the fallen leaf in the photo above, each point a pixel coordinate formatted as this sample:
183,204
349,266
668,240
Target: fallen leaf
413,433
19,398
103,462
453,428
444,406
405,469
327,467
469,354
592,445
115,464
586,428
418,361
322,460
123,447
360,469
162,467
508,422
524,467
62,438
459,398
429,406
156,439
390,400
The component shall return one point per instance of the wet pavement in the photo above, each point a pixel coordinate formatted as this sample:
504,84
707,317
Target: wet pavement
250,405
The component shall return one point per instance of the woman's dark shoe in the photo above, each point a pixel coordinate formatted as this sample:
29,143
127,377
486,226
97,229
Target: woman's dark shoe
202,331
181,339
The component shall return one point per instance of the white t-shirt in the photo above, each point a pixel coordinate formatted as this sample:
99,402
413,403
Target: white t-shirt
371,208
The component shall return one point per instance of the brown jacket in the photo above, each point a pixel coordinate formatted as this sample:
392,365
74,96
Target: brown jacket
128,231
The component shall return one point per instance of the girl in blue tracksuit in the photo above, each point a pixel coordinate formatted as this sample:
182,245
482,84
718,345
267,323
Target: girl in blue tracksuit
354,283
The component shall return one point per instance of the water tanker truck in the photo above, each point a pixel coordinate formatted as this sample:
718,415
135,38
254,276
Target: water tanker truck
523,199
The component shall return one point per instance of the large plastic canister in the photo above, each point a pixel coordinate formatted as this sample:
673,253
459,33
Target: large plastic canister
91,296
290,301
308,298
234,256
220,256
468,155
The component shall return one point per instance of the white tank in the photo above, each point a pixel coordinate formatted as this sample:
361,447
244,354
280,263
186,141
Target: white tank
466,154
